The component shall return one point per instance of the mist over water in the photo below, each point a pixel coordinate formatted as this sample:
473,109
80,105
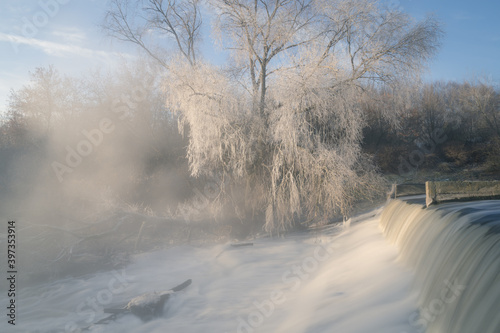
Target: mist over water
82,176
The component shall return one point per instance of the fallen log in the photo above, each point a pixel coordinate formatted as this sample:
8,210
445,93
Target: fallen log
146,306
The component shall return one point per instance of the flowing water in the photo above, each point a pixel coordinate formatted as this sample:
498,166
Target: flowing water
454,249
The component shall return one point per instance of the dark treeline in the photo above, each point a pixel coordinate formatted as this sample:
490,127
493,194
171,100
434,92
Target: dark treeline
446,128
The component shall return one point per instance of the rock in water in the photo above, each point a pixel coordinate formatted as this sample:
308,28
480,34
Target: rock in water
148,306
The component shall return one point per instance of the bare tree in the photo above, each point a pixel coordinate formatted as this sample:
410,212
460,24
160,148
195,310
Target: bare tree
259,31
433,110
367,41
480,98
135,21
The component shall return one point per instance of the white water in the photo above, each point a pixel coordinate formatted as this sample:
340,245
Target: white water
277,285
455,251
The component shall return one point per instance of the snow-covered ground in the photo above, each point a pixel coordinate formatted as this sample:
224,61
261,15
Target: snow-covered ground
329,280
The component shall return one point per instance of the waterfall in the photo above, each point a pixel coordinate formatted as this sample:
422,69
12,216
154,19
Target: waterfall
454,250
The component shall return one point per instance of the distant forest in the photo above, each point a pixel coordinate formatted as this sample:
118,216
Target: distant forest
448,127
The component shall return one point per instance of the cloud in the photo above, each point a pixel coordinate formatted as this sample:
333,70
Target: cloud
60,49
74,35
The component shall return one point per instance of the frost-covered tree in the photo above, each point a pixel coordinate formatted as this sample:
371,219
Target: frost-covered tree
46,101
284,120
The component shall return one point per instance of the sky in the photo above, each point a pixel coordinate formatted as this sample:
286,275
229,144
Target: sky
66,34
